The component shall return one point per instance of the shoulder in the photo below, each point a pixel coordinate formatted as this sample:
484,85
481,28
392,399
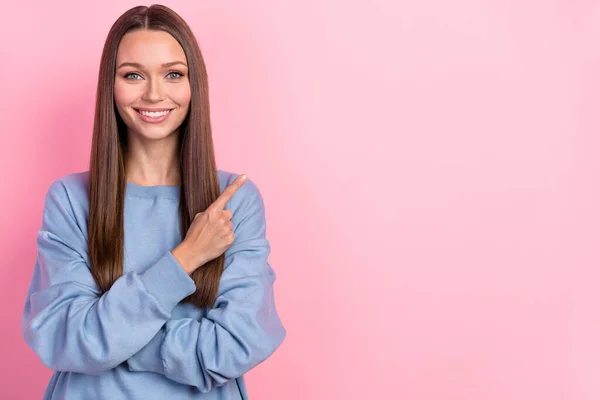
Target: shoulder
74,186
248,214
65,213
69,193
247,195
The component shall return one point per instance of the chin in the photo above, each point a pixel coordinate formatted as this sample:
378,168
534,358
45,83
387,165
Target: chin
155,134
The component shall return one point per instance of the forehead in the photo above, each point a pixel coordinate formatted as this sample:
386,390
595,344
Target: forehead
150,48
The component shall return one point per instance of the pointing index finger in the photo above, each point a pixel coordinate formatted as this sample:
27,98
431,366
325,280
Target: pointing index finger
228,193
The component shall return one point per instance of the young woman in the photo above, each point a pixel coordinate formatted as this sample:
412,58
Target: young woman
152,278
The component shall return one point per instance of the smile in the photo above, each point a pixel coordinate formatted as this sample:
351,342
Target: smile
153,117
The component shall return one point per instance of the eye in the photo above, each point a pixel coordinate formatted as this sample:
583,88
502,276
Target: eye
132,76
174,75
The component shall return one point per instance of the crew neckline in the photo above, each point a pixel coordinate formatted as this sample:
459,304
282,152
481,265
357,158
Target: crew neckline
170,191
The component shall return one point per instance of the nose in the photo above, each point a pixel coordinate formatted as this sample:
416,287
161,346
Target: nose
154,91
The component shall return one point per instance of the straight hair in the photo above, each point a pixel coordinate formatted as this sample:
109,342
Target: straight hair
107,181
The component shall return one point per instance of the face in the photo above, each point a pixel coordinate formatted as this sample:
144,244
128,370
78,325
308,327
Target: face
152,91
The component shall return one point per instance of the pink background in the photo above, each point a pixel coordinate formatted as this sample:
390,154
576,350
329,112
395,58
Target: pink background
430,171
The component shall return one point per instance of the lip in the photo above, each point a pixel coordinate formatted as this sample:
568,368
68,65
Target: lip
151,120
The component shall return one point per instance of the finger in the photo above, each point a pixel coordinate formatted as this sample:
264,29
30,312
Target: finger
223,199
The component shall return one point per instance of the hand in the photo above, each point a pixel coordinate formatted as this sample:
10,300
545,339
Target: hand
210,233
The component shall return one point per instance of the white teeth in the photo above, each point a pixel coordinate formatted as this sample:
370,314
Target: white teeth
157,114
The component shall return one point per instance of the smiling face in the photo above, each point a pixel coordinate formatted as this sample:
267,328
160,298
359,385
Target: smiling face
152,90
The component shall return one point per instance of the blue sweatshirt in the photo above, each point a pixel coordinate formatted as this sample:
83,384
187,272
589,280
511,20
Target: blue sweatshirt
137,341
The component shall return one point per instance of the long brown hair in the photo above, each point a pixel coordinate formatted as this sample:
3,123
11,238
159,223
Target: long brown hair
107,181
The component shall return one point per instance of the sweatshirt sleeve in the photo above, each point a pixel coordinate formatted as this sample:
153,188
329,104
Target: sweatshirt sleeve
240,331
66,320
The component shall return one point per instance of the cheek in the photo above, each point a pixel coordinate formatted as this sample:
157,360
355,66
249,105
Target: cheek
182,96
124,95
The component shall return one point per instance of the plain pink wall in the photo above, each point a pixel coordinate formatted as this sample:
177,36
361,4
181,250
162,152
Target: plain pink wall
430,171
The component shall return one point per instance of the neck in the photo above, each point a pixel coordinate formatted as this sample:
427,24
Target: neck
152,162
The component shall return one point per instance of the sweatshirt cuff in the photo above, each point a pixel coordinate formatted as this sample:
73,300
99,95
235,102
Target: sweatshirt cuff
168,282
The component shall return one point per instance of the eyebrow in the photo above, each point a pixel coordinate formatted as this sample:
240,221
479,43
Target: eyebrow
137,65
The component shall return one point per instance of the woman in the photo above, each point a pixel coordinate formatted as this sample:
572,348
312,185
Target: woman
119,306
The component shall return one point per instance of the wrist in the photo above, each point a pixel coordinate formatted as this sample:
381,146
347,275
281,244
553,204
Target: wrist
185,258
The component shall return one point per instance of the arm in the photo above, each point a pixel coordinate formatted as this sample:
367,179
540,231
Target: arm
241,330
68,324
